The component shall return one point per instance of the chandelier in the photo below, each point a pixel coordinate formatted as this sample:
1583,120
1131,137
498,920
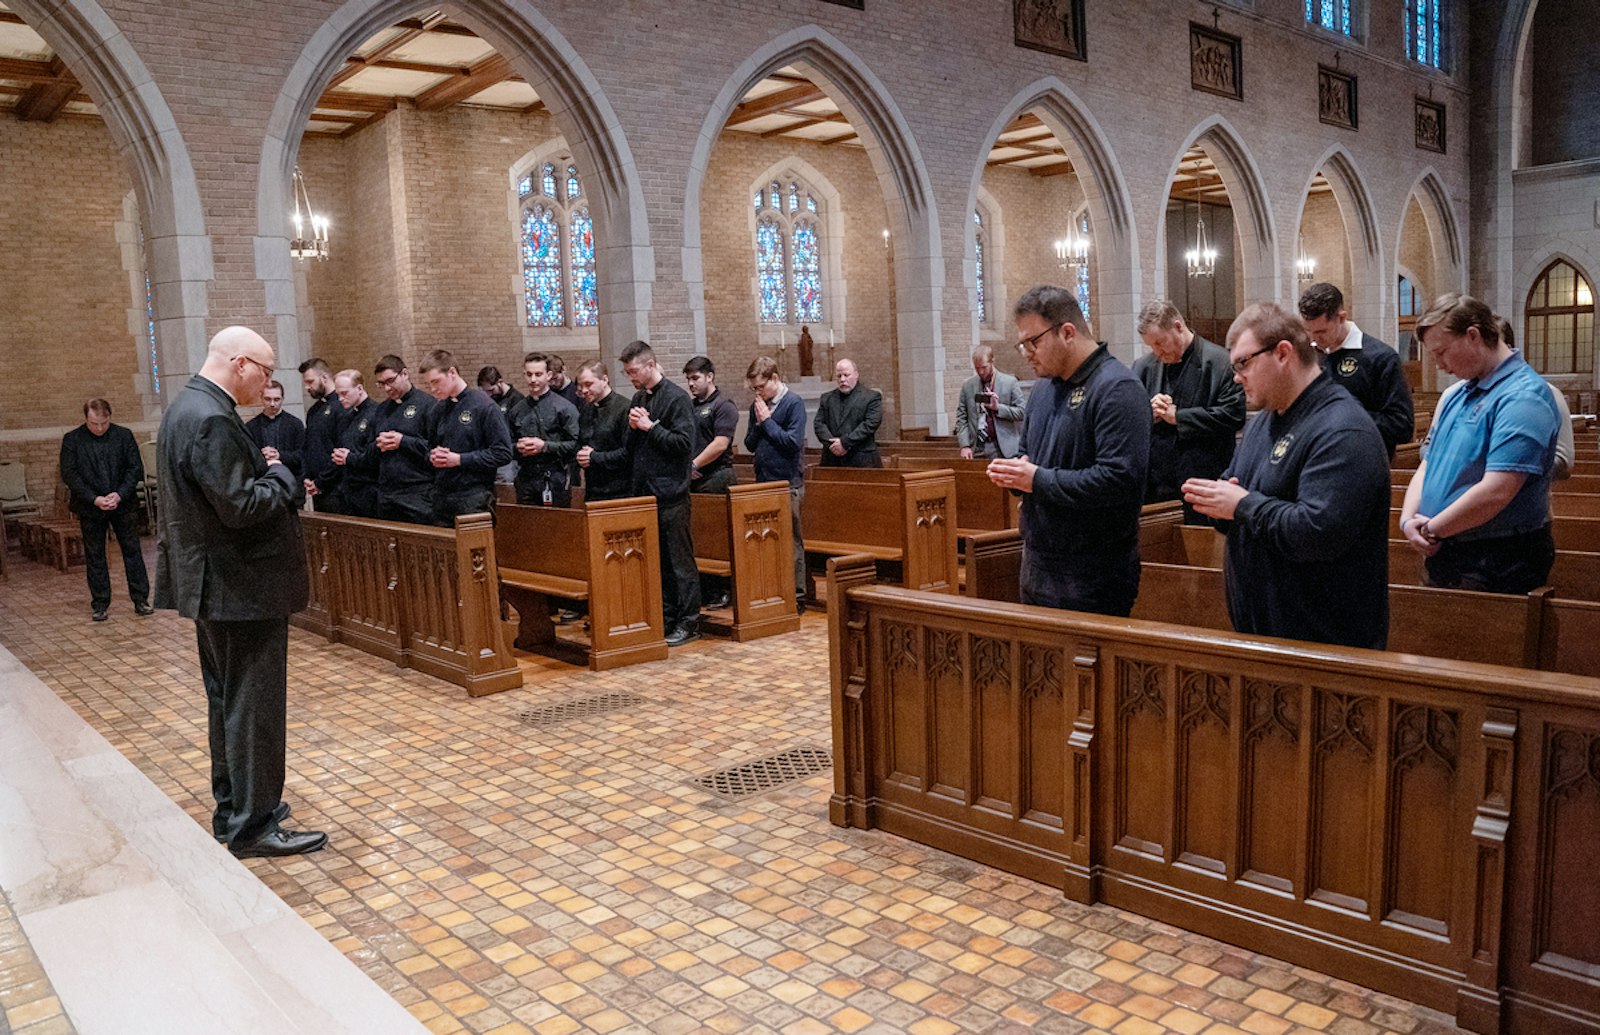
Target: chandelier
1072,251
1202,258
1305,267
316,245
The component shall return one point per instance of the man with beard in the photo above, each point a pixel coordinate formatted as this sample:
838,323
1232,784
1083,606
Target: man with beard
319,477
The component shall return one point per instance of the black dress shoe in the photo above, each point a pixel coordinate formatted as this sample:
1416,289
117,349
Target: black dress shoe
717,603
100,614
279,814
142,609
682,634
567,616
279,842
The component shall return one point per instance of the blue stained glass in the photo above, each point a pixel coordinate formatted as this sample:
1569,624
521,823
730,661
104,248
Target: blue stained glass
525,186
758,201
977,217
794,196
585,293
573,189
807,274
150,321
1083,273
1329,14
770,271
1437,58
777,200
811,203
549,180
983,306
541,267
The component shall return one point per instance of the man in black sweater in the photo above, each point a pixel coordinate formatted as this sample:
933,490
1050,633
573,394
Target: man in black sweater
544,431
661,444
405,477
470,441
356,454
602,435
1364,366
847,420
100,464
320,478
280,435
1305,503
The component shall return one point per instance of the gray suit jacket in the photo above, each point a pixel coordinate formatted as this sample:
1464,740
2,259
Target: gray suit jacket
228,543
1007,419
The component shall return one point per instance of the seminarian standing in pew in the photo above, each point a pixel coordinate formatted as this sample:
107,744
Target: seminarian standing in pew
602,435
1305,503
1364,366
777,438
1085,447
470,441
847,420
319,476
1478,507
544,427
405,477
660,445
354,453
716,422
1196,407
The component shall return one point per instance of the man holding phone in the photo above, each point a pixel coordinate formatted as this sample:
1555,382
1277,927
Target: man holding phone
989,414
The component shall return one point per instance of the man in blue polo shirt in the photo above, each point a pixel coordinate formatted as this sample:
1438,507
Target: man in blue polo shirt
1478,507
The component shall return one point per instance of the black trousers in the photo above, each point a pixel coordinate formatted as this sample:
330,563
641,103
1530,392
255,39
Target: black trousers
797,495
245,666
361,499
408,503
714,484
680,579
1505,564
124,521
449,506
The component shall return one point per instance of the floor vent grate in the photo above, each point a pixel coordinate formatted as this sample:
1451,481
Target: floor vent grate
557,712
763,774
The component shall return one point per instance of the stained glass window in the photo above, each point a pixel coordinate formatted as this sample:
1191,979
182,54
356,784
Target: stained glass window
525,186
560,285
1083,271
1424,32
573,190
541,267
585,296
1333,15
1558,336
983,307
789,256
549,181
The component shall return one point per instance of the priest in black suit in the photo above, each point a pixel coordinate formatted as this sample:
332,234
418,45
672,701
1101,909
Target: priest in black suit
847,420
100,464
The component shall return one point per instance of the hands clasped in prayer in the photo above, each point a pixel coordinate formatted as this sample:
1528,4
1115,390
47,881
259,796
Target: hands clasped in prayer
1013,473
1214,498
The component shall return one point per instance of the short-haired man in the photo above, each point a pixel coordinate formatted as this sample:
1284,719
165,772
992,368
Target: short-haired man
101,465
493,384
602,435
405,477
1305,502
230,556
563,385
1085,444
1196,406
355,454
544,430
847,420
320,478
280,435
990,410
716,422
776,438
1478,507
660,438
470,440
1366,367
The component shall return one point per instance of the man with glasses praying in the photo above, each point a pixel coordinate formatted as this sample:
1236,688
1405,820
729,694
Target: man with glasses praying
405,477
1081,472
1305,503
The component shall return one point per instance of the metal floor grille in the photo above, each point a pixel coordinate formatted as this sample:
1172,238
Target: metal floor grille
763,774
578,708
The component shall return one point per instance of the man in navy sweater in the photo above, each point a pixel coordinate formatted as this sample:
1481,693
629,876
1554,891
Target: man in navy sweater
777,439
1367,368
1305,503
470,441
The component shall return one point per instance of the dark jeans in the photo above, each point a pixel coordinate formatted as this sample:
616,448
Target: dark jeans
1107,591
245,667
1504,564
124,521
413,504
717,481
680,579
448,507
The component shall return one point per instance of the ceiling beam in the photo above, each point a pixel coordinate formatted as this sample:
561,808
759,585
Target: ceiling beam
7,18
51,71
1052,170
444,28
773,103
344,100
840,140
410,30
42,102
491,70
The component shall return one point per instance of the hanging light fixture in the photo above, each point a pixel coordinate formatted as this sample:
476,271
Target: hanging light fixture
1202,258
1072,251
1305,267
314,246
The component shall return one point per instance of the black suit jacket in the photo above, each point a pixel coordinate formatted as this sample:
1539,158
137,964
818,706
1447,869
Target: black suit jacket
228,544
98,466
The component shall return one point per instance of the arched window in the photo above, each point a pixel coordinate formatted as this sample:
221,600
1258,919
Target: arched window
1081,223
980,251
1558,332
1333,15
1424,32
1410,307
557,238
789,260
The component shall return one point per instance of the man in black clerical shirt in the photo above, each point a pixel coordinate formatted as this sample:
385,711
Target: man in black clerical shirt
355,454
470,441
602,435
320,478
716,422
563,385
101,465
544,430
660,438
405,477
1364,366
847,420
493,384
280,435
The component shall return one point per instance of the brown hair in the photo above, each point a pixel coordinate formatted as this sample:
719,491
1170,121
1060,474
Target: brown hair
1270,323
100,406
762,369
1158,312
1456,312
437,359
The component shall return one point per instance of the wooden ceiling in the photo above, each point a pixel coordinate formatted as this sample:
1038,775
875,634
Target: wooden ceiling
1197,179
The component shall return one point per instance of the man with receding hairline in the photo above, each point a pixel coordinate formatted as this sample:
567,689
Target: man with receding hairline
101,465
230,556
847,420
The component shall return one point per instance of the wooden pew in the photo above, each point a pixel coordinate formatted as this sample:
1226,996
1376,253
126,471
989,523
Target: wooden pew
983,505
421,597
994,559
1563,503
902,517
747,536
1574,576
606,553
1419,826
1571,533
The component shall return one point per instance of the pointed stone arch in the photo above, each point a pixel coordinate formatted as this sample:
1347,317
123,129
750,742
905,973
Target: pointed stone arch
1106,193
141,124
1252,213
1369,284
624,260
1444,230
835,288
907,191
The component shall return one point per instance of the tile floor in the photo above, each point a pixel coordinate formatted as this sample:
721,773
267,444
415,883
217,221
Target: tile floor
28,1005
497,877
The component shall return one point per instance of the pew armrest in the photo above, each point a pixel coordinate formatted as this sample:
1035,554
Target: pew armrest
709,566
828,546
554,585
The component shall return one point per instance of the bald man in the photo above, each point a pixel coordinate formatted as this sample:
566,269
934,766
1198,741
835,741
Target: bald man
847,420
229,555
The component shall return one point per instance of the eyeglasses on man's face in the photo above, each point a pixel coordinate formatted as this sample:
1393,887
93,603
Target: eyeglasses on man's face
264,368
1238,365
1027,345
388,382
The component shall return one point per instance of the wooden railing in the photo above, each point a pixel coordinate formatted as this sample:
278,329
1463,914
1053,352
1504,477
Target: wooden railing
1423,827
422,597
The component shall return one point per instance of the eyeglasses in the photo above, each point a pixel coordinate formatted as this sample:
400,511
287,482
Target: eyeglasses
385,382
1238,365
1027,345
264,368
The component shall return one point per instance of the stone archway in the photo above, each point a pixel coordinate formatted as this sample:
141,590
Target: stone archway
1252,213
908,195
624,260
1368,286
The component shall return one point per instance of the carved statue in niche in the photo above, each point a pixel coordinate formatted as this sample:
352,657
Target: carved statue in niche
808,364
1049,25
